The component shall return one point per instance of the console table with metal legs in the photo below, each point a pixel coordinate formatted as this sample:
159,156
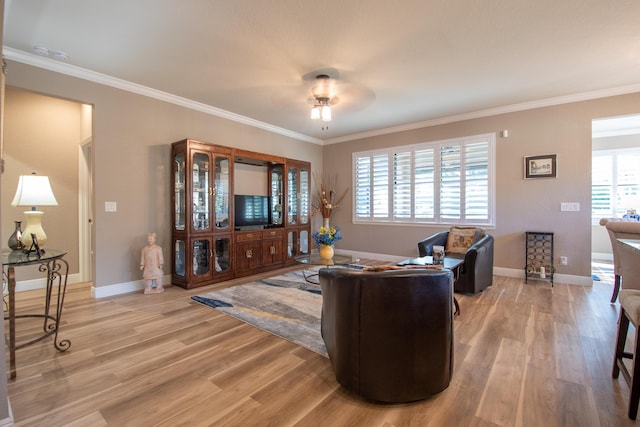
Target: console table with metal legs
56,268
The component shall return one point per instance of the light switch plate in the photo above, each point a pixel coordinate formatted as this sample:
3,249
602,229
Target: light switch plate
570,207
110,206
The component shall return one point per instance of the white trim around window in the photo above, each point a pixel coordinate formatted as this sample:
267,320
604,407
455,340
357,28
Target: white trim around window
615,183
440,182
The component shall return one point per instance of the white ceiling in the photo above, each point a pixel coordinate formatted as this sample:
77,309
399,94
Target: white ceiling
399,64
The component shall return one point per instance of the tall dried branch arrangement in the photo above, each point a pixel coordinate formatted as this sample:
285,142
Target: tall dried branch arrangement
326,200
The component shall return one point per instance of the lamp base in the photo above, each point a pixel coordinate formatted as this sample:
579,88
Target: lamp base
34,226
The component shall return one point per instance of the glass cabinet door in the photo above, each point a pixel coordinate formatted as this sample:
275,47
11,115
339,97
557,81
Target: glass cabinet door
221,191
292,243
222,255
179,175
304,242
292,197
276,178
180,266
304,196
201,261
201,189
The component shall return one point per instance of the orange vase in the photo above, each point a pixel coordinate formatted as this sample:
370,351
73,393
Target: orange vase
326,251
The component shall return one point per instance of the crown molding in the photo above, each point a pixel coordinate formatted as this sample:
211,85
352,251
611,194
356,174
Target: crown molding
548,102
103,79
82,73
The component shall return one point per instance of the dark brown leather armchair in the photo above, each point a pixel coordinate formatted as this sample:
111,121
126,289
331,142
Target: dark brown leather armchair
477,272
389,334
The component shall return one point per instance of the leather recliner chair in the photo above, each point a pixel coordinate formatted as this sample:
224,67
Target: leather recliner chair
389,334
477,271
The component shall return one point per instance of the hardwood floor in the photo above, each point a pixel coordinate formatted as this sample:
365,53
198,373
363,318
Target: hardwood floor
525,355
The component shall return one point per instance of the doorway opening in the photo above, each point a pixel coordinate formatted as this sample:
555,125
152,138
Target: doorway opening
52,137
615,183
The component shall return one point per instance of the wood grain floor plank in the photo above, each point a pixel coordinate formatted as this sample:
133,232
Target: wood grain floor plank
524,355
569,356
499,402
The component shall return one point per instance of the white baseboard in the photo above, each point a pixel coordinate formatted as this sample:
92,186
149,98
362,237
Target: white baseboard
122,288
557,278
602,256
30,285
96,292
138,285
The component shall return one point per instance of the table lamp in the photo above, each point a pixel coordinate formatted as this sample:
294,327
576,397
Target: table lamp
34,190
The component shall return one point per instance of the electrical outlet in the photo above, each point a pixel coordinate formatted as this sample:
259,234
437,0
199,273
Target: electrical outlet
563,260
110,206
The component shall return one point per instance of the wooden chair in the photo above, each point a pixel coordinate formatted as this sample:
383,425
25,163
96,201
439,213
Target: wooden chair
629,312
620,229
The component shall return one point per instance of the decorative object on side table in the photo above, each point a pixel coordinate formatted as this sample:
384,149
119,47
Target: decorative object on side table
15,240
151,263
438,255
34,190
631,214
35,247
325,239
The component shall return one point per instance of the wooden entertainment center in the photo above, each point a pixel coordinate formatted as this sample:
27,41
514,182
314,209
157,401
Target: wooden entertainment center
208,244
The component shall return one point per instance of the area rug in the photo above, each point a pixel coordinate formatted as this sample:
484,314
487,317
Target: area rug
286,305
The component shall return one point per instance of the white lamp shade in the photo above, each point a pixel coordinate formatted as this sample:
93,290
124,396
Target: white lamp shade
315,112
34,190
326,113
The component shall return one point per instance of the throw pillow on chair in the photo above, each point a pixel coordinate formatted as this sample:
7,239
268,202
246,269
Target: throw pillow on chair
460,239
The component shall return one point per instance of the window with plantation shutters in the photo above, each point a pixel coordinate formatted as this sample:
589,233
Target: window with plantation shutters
442,182
362,193
402,185
424,184
615,183
380,184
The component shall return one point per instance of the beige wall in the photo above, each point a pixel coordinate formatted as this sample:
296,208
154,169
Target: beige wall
521,205
42,134
132,136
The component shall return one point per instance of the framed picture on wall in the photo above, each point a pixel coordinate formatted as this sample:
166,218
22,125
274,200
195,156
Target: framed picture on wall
540,166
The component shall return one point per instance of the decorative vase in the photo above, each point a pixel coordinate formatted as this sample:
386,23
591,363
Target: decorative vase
15,240
326,252
325,223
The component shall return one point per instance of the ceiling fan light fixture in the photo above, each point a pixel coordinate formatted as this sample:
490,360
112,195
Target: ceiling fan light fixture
326,113
322,97
315,112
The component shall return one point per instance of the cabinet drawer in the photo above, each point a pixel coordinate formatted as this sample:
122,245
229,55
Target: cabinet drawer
273,233
247,236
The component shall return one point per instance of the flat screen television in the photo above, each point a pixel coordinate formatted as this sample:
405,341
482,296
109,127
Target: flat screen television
251,211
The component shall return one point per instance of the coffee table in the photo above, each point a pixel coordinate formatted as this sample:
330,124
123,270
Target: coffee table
314,259
453,264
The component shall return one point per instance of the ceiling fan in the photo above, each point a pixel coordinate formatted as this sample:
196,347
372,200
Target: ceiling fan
323,97
322,87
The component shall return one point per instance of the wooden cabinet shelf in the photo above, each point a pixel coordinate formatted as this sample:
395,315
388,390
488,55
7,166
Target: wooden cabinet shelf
207,247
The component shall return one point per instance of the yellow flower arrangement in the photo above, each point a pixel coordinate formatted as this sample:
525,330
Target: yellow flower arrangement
327,236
